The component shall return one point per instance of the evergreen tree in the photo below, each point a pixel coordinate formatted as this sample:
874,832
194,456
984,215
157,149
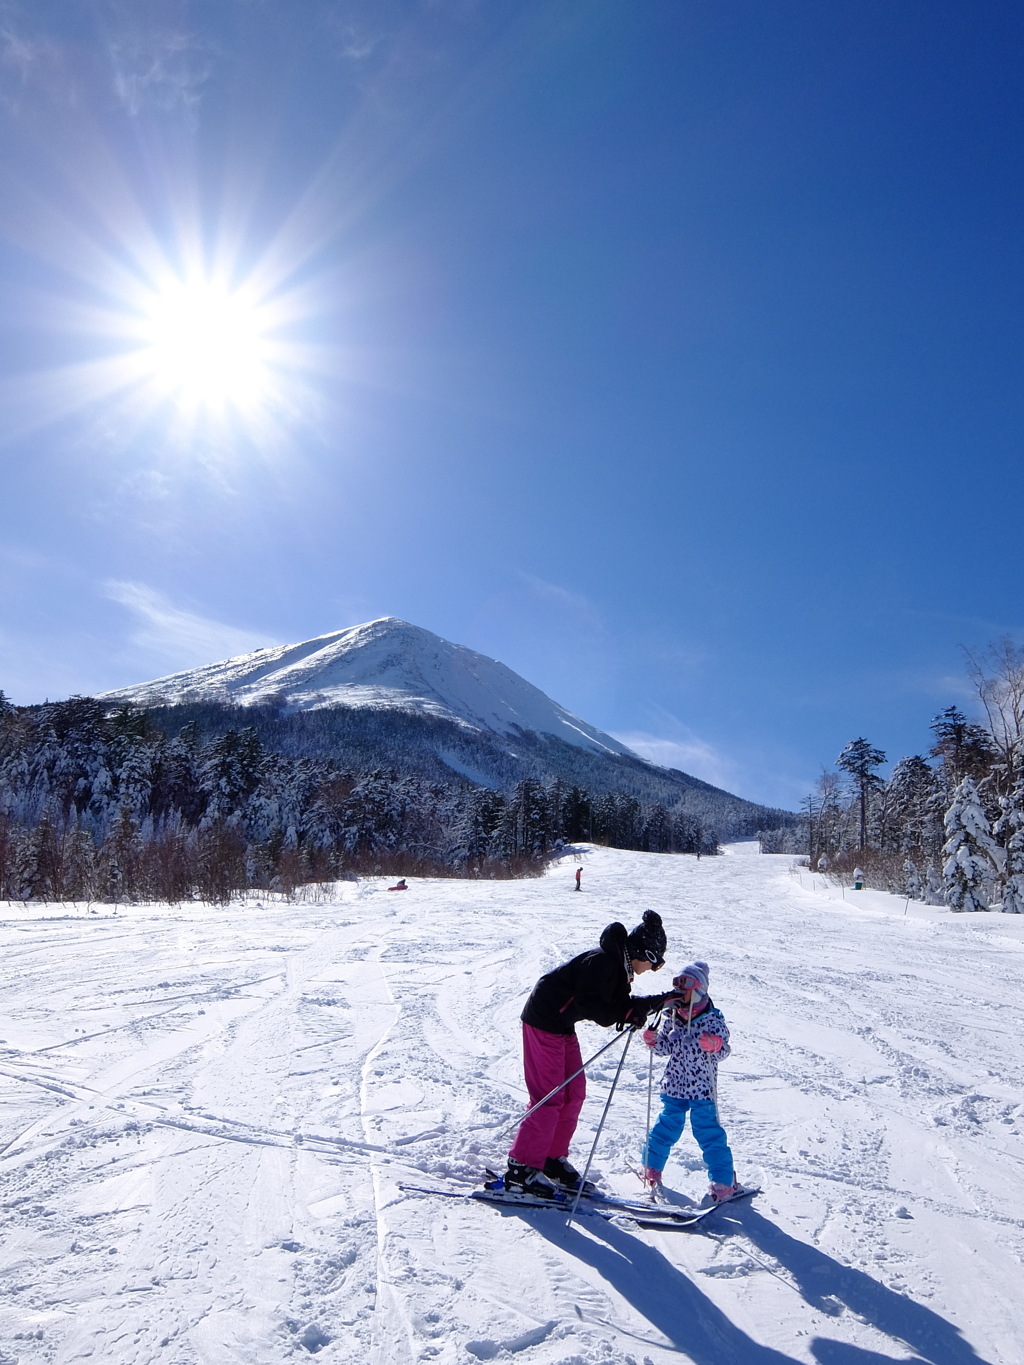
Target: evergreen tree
859,760
934,890
231,772
578,815
966,861
1010,828
474,831
912,884
122,856
906,800
657,829
964,748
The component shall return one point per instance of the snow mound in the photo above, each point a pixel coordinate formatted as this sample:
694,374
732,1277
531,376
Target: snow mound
384,663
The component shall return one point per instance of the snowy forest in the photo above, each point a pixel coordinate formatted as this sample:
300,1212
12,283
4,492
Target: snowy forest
102,804
946,827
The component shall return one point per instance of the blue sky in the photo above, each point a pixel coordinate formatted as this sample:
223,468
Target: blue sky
670,353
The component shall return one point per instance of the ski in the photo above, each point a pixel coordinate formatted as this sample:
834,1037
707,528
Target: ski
496,1184
634,1208
598,1204
678,1225
593,1196
509,1199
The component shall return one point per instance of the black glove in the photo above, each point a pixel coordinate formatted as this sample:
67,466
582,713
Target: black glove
638,1010
656,1003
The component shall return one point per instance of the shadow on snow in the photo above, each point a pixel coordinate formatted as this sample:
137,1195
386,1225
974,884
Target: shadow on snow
693,1324
829,1286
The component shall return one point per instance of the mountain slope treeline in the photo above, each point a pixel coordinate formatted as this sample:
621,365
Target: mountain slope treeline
361,738
176,803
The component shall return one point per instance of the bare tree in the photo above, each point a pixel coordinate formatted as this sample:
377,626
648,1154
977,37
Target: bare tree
824,816
998,677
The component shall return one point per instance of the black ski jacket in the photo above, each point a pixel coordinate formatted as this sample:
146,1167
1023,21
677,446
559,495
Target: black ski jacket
594,986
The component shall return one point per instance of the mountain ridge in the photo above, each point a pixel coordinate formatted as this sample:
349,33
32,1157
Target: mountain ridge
390,695
382,663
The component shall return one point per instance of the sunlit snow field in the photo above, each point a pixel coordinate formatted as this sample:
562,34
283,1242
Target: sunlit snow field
207,1114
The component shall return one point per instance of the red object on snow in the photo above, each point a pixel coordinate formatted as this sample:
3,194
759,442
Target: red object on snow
399,886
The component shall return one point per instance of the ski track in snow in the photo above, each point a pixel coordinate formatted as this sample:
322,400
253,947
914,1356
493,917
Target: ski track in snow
208,1112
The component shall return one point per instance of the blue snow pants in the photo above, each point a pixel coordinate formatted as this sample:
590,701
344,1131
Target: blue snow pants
706,1129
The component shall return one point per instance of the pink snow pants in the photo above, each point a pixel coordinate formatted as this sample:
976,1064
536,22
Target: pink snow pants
547,1059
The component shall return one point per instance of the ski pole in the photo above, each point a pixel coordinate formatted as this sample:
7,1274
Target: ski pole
650,1092
540,1103
597,1135
712,1070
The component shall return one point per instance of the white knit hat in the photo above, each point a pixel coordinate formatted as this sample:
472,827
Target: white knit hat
696,971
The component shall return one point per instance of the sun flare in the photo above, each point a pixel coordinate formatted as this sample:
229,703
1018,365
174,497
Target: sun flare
206,345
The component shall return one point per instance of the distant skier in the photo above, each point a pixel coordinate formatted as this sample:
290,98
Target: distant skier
579,874
695,1037
399,885
595,985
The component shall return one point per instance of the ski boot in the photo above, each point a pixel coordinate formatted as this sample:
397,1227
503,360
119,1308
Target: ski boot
651,1178
530,1180
721,1194
558,1169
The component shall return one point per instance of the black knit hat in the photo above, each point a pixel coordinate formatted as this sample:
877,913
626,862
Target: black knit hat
648,940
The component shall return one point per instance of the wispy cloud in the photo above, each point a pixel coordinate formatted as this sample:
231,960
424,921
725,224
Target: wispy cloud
151,60
564,599
693,756
158,67
176,636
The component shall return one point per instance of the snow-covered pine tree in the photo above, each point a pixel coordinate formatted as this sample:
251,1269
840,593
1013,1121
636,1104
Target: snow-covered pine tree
475,825
1009,828
905,804
912,884
966,854
934,892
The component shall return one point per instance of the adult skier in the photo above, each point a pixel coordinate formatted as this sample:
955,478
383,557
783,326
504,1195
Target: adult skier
594,985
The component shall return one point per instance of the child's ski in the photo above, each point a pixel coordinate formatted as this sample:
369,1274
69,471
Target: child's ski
675,1225
598,1204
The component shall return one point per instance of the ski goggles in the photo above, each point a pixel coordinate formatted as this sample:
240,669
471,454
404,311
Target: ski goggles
656,961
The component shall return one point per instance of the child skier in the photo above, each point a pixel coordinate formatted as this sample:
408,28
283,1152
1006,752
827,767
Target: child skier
695,1037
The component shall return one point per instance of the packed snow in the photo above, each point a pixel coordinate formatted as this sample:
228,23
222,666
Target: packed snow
209,1113
383,663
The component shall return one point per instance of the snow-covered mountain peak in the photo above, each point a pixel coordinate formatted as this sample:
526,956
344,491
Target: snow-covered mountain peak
383,663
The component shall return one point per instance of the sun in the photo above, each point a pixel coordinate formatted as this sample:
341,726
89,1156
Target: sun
205,345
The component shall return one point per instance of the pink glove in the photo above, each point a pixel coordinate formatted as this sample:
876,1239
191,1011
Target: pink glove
710,1042
650,1036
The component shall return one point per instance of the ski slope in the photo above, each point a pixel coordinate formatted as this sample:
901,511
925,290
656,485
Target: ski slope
207,1113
